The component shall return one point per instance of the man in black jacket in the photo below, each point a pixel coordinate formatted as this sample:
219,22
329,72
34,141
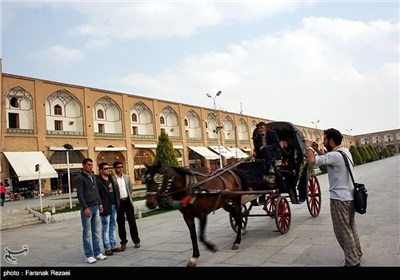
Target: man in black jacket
109,215
266,148
266,145
91,206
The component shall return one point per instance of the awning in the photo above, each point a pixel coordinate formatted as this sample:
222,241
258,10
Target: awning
145,146
238,152
224,151
24,164
204,152
109,149
55,148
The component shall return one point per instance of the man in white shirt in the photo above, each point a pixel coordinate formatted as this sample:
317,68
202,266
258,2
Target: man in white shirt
125,206
341,191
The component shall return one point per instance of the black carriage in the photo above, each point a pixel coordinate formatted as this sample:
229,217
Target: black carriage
293,178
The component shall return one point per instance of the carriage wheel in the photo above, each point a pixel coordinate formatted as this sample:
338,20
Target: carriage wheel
270,204
244,219
282,214
313,196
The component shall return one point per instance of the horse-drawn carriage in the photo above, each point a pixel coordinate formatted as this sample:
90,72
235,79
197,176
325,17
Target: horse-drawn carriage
234,186
292,178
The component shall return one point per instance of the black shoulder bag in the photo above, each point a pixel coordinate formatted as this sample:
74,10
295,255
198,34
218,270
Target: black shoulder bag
360,192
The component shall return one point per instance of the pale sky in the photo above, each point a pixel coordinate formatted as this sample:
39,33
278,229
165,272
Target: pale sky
298,61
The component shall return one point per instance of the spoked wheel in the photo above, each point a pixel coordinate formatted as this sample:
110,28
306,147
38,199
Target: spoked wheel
313,196
244,219
270,204
282,214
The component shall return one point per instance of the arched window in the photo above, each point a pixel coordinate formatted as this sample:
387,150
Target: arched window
186,122
100,114
162,120
14,102
134,117
57,110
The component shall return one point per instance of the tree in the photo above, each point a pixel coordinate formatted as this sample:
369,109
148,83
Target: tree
356,155
165,154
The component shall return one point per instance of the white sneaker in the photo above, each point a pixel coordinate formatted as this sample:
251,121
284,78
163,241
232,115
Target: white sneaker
90,260
101,257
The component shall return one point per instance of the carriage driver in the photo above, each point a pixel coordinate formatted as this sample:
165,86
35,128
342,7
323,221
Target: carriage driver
266,145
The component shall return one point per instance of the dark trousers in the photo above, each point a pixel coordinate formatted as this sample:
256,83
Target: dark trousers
3,198
126,209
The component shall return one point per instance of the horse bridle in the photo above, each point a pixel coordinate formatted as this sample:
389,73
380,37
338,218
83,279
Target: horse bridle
159,179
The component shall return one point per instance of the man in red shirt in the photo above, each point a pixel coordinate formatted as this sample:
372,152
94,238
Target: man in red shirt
2,193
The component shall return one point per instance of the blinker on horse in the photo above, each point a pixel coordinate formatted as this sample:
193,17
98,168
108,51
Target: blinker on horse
196,195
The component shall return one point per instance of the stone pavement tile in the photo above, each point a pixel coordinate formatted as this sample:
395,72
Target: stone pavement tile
296,249
327,254
379,250
281,259
253,255
217,257
160,262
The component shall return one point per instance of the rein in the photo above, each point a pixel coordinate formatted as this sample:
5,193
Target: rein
217,173
191,181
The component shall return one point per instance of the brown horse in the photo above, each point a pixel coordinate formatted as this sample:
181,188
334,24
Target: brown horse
196,195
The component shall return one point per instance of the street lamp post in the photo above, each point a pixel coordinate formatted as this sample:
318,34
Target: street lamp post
67,148
349,132
37,169
315,123
218,127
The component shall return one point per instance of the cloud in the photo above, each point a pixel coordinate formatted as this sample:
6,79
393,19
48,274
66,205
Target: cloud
302,75
159,20
59,54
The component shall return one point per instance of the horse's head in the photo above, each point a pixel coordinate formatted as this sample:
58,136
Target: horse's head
164,181
154,178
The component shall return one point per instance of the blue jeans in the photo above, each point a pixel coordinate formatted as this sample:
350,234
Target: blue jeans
91,232
109,229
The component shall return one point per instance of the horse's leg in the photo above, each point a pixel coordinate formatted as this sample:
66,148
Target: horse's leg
189,220
234,207
237,214
203,223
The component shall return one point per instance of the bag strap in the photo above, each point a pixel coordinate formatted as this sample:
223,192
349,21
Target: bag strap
346,161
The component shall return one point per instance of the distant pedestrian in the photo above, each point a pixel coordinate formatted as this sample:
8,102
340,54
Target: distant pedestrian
125,206
341,191
2,193
109,215
91,206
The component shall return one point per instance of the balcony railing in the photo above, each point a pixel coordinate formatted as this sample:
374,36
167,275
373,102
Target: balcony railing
174,137
63,132
194,138
103,134
20,130
143,136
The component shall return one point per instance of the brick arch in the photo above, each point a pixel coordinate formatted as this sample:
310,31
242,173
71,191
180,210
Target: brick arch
110,157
